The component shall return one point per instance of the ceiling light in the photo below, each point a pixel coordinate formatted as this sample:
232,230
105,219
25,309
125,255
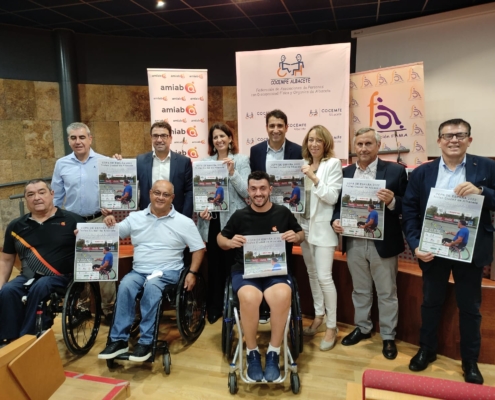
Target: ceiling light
160,4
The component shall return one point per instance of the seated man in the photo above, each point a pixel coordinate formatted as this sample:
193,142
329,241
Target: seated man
127,193
260,218
219,195
460,240
159,235
372,219
45,242
106,261
295,196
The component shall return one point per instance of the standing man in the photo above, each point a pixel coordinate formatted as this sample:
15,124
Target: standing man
75,180
44,240
277,147
464,174
375,261
260,218
162,163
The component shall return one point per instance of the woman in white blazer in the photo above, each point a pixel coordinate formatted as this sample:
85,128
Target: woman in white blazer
322,184
222,147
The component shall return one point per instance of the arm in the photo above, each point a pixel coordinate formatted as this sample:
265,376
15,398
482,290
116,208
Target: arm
293,237
196,258
58,186
328,188
188,190
6,265
227,244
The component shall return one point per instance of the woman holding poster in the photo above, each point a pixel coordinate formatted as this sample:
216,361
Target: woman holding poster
222,147
322,185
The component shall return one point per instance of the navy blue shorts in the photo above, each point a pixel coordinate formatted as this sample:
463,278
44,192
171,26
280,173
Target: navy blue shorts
260,283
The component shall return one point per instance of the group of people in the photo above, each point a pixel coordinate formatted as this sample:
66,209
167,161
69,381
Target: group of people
163,229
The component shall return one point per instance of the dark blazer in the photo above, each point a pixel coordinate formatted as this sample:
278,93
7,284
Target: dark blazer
257,156
480,171
395,180
180,176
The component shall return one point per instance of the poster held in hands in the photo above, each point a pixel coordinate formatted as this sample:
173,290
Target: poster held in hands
287,181
264,255
117,184
210,186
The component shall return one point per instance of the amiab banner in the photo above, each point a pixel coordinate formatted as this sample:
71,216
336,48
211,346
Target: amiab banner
180,97
309,84
391,101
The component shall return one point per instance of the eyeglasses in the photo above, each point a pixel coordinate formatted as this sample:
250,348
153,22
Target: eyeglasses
163,136
160,194
450,136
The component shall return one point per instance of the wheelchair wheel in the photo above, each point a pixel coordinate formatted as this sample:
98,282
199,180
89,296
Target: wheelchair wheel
233,383
377,233
464,253
295,384
191,309
295,324
166,363
228,321
81,316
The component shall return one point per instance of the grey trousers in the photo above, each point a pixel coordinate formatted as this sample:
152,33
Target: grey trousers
366,267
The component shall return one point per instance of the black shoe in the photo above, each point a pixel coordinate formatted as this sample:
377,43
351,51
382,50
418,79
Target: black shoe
355,337
79,317
114,349
389,350
421,360
141,352
214,317
109,318
471,372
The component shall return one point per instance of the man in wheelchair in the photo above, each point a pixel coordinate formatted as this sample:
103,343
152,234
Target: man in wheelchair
461,238
44,240
106,261
219,195
260,218
295,196
372,219
159,235
126,196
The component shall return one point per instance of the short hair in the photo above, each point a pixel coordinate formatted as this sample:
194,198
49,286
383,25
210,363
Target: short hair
455,121
367,129
322,133
126,180
258,176
78,125
218,183
277,114
225,129
371,206
107,248
294,183
161,124
33,181
462,222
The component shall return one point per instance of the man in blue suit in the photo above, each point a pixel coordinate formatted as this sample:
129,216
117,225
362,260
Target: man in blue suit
277,147
464,174
164,164
375,261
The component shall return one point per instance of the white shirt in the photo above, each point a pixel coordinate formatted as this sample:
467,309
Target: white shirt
161,169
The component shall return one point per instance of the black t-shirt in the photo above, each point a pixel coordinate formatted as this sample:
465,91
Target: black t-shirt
246,221
46,248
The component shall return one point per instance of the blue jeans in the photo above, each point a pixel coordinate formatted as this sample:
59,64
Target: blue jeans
126,304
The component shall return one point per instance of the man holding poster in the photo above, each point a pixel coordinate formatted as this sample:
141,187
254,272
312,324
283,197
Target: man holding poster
464,174
277,147
260,218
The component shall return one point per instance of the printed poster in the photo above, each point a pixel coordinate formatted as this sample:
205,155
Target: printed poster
288,184
210,186
117,184
264,255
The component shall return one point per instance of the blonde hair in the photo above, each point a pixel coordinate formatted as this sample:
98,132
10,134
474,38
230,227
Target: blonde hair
324,134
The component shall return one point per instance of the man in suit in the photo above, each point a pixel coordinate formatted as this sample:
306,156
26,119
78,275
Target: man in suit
163,164
375,260
464,174
277,147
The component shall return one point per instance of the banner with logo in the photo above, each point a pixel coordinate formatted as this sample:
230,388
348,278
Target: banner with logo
180,97
306,83
391,101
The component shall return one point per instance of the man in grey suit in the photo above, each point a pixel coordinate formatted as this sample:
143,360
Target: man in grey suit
375,261
164,164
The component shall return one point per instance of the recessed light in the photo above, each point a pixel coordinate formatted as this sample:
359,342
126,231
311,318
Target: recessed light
160,4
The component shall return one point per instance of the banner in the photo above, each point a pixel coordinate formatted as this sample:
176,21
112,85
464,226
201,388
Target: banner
180,97
306,83
391,101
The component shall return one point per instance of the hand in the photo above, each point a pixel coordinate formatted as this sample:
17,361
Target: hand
230,165
337,227
385,195
205,214
290,236
237,241
423,256
117,156
465,188
76,231
109,221
106,211
189,282
308,171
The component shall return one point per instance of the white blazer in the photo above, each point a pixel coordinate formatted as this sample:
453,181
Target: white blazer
322,203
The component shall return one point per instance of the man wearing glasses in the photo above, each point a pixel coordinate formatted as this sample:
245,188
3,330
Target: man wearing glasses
159,235
161,163
464,174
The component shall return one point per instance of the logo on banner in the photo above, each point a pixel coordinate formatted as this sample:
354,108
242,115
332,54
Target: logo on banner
190,88
191,110
181,120
249,115
160,98
172,87
380,80
385,147
366,83
354,103
250,141
201,98
191,131
199,141
313,113
418,148
417,131
396,77
414,94
415,112
202,120
173,110
417,161
178,76
200,76
159,76
193,153
178,131
400,147
332,112
183,98
389,121
293,69
355,119
353,85
413,75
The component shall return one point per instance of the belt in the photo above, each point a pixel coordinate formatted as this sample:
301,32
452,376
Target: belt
93,216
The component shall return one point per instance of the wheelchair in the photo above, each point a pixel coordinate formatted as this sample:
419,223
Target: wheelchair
80,307
292,342
190,309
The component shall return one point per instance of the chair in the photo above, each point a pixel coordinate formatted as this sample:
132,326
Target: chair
291,348
190,309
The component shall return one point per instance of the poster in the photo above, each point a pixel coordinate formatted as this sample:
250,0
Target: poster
97,253
117,184
210,186
264,255
288,184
